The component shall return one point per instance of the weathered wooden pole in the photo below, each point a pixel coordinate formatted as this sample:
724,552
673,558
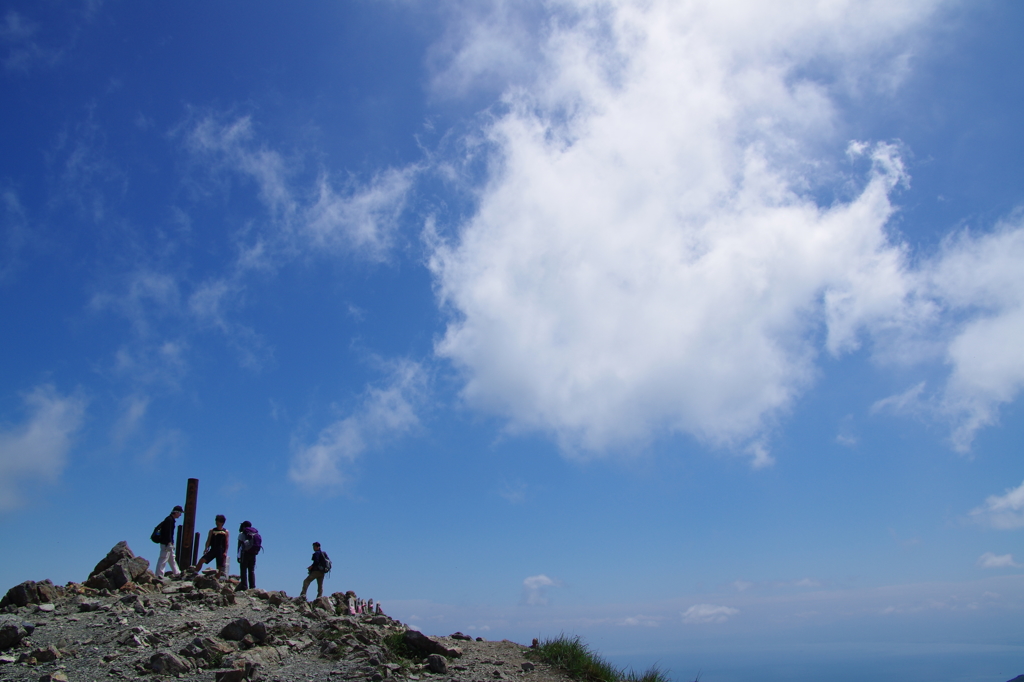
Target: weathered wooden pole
188,526
177,547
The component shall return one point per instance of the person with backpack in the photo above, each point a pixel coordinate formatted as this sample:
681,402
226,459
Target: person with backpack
320,567
249,545
216,546
163,535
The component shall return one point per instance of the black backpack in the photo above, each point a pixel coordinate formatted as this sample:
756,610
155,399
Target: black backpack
326,566
157,536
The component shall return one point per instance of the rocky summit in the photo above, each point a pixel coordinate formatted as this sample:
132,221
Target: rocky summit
123,622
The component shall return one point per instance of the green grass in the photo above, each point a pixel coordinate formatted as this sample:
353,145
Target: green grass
573,656
401,652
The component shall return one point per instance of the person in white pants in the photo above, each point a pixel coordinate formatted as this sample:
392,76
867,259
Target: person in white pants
167,544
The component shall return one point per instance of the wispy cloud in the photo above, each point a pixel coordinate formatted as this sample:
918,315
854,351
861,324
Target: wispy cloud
1004,511
19,38
14,233
708,613
991,560
535,589
38,448
360,218
388,411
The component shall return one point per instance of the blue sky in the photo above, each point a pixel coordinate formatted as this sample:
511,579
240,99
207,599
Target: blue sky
688,327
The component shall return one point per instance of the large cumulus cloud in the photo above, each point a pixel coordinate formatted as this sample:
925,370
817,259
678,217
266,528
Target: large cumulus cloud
648,255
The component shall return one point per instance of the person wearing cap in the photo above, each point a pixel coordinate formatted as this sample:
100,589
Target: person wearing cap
167,544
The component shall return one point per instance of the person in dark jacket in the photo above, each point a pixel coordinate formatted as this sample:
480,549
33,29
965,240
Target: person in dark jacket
217,541
316,572
249,546
167,544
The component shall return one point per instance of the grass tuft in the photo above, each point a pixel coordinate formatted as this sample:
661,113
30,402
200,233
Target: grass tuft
573,656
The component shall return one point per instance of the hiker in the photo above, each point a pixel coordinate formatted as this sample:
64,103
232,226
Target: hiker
249,545
164,534
216,546
317,570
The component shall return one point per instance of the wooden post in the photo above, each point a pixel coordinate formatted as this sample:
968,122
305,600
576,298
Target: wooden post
189,524
177,549
195,549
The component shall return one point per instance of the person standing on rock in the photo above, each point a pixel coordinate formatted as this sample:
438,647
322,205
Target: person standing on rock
216,546
249,545
317,570
166,533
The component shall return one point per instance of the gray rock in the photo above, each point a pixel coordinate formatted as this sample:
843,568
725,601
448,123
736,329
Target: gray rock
119,567
12,631
231,676
58,676
236,629
30,592
437,664
118,552
45,654
419,641
527,667
167,663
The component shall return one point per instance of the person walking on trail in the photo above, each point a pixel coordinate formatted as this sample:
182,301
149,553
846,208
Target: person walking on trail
216,546
249,545
166,540
317,570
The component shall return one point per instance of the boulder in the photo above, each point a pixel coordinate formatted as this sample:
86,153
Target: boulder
30,592
207,649
118,552
165,662
205,582
117,569
420,642
259,632
45,654
12,631
236,629
437,664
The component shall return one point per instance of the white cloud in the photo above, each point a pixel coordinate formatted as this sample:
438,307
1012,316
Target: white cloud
648,258
133,411
386,412
991,560
979,279
535,589
38,448
643,260
362,219
708,613
1002,511
646,621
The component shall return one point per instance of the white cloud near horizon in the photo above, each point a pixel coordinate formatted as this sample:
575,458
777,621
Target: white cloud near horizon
38,448
535,589
386,412
708,613
647,257
1004,511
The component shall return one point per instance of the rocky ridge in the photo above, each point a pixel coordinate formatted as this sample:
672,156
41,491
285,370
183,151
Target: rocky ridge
123,622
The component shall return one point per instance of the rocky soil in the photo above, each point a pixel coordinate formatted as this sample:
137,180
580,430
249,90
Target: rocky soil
123,622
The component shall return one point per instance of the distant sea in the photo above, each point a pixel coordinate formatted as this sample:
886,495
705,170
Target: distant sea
998,664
